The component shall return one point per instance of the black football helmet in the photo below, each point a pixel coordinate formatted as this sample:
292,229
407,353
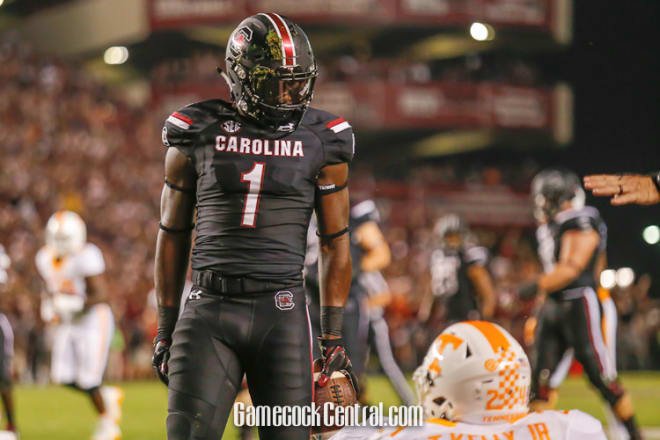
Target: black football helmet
272,70
552,187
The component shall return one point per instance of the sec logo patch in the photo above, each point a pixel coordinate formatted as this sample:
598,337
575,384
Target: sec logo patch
284,300
231,126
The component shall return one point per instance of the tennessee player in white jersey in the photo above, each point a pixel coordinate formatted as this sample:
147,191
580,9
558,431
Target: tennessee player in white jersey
83,322
474,385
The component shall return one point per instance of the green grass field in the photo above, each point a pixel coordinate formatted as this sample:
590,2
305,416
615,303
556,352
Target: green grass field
54,413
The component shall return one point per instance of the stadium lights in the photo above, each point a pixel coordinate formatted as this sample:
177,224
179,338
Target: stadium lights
608,278
482,31
115,55
625,277
651,234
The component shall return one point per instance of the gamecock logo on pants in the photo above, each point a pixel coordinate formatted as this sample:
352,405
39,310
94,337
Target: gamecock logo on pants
284,300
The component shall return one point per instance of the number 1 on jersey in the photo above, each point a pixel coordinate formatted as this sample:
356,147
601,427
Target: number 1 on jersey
255,177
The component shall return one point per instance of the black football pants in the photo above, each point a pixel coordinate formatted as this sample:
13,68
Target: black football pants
574,322
217,339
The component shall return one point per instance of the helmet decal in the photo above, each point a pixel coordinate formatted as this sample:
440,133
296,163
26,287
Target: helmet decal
287,53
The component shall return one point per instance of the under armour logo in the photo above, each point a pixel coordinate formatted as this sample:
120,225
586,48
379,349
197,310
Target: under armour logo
195,294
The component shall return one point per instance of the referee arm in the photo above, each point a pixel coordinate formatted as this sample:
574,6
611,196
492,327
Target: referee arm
626,188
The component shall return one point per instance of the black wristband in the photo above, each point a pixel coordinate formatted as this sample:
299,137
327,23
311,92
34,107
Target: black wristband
332,320
655,178
167,317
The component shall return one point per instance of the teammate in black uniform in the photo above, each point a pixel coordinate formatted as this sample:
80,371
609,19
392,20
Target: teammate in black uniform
571,246
255,169
460,285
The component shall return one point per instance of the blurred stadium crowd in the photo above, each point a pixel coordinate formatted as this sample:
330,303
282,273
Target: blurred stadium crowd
65,144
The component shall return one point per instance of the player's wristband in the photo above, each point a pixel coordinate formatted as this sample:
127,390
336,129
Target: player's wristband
167,317
655,178
332,320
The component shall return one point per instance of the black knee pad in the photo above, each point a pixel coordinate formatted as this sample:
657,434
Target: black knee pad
190,418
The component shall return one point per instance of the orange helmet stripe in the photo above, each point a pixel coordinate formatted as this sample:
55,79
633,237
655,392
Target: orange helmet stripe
494,335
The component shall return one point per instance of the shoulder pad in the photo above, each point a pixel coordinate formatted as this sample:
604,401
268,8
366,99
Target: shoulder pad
182,127
335,133
365,211
476,255
585,219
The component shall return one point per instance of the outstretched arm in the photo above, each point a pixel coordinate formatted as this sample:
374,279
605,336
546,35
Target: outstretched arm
625,188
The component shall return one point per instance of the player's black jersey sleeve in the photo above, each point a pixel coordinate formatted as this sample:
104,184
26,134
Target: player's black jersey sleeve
183,128
336,136
584,219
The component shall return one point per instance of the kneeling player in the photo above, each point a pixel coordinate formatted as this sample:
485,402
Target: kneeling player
474,384
71,268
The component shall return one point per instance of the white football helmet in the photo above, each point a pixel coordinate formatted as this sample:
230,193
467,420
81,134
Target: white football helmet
66,233
474,372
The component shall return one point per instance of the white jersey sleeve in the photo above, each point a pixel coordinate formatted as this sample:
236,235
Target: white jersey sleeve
358,433
90,261
582,426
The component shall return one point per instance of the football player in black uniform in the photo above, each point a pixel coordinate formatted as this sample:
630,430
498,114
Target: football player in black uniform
460,285
254,169
571,247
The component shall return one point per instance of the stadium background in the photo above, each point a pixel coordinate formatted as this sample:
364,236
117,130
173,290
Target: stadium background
444,123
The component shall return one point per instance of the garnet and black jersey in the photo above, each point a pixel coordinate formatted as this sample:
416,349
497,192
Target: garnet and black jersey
549,241
255,187
450,281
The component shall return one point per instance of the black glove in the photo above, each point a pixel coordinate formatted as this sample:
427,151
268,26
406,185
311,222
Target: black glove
167,317
528,290
334,358
160,358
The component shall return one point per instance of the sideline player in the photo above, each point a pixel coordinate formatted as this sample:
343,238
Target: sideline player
460,285
474,384
72,269
626,188
6,349
255,169
570,317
